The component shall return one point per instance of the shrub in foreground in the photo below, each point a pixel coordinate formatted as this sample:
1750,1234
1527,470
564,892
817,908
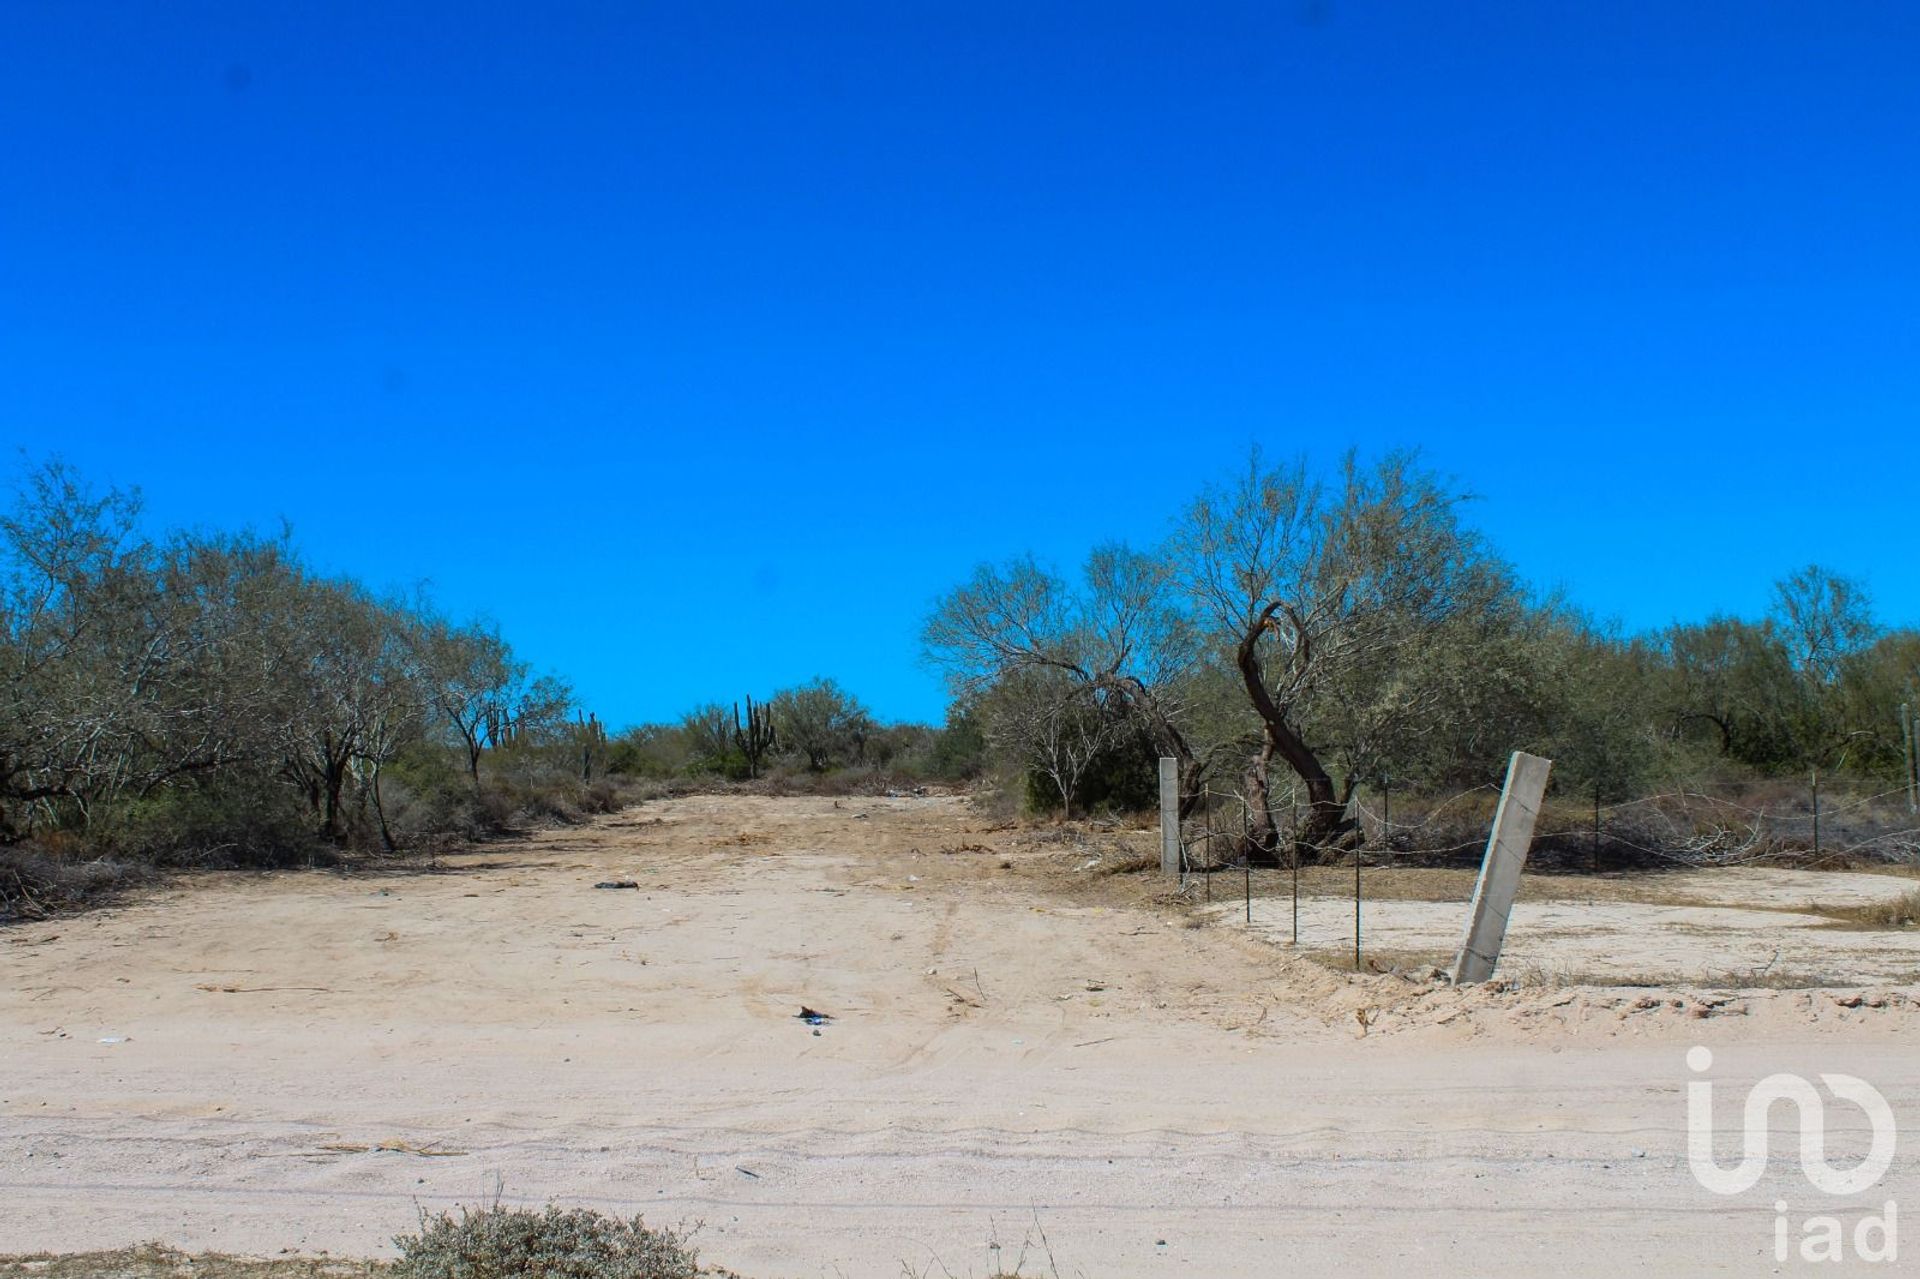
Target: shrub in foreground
513,1243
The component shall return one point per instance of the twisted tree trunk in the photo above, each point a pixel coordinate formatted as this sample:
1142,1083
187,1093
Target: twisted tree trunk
1326,816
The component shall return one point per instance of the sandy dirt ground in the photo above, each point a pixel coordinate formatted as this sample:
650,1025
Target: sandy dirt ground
1722,926
1018,1045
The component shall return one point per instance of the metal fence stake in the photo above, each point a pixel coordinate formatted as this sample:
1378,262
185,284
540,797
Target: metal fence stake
1906,738
1596,828
1816,812
1296,886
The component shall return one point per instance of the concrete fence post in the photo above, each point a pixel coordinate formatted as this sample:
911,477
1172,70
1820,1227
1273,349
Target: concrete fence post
1507,846
1169,817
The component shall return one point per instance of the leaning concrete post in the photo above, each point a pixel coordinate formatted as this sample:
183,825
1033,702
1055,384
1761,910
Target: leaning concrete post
1169,817
1499,880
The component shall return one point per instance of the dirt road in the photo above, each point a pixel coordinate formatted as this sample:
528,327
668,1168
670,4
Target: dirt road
299,1060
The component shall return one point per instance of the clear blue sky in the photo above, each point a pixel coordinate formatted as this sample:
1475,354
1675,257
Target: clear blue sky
704,344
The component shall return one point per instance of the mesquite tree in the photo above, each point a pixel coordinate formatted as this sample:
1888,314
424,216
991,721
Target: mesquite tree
1121,634
1319,592
709,732
484,694
821,721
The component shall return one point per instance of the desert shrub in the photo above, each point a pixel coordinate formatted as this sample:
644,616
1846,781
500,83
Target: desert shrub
1898,912
430,800
35,882
1124,778
642,790
433,809
603,796
660,751
957,752
821,723
729,763
546,800
226,822
512,1243
791,778
431,816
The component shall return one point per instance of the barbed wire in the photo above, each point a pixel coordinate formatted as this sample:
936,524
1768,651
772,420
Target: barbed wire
1750,842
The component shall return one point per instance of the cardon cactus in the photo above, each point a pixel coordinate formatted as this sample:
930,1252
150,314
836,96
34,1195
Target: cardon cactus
754,736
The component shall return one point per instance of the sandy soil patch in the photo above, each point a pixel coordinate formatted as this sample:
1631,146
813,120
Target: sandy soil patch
299,1060
1732,927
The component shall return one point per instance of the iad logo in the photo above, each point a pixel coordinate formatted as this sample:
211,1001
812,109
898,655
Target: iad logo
1822,1238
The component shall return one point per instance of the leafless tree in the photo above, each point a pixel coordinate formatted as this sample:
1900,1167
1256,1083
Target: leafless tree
1054,725
94,690
1122,635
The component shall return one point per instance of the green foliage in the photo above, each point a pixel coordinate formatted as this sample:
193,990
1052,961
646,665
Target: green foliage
511,1243
753,737
659,751
1391,643
707,732
207,698
1121,777
958,752
230,821
822,724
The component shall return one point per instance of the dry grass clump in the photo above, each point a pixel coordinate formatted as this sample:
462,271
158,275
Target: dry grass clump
1386,961
1898,912
1564,977
1127,861
36,882
491,1243
153,1261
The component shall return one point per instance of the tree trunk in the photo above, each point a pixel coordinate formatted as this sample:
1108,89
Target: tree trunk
1719,723
330,821
336,780
1263,841
380,812
1326,816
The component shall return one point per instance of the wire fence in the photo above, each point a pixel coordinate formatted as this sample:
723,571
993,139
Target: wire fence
1744,822
1812,822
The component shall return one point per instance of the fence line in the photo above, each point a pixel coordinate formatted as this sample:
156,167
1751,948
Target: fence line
1750,840
1200,849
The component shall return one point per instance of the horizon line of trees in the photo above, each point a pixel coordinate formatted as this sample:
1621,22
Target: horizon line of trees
207,697
815,728
180,695
1319,632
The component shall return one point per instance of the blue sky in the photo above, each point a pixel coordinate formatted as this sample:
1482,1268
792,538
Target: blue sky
704,344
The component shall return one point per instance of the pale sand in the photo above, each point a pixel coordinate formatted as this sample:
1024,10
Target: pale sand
1766,929
634,1051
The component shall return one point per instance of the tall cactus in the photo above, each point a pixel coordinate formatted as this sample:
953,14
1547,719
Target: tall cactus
755,736
593,743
